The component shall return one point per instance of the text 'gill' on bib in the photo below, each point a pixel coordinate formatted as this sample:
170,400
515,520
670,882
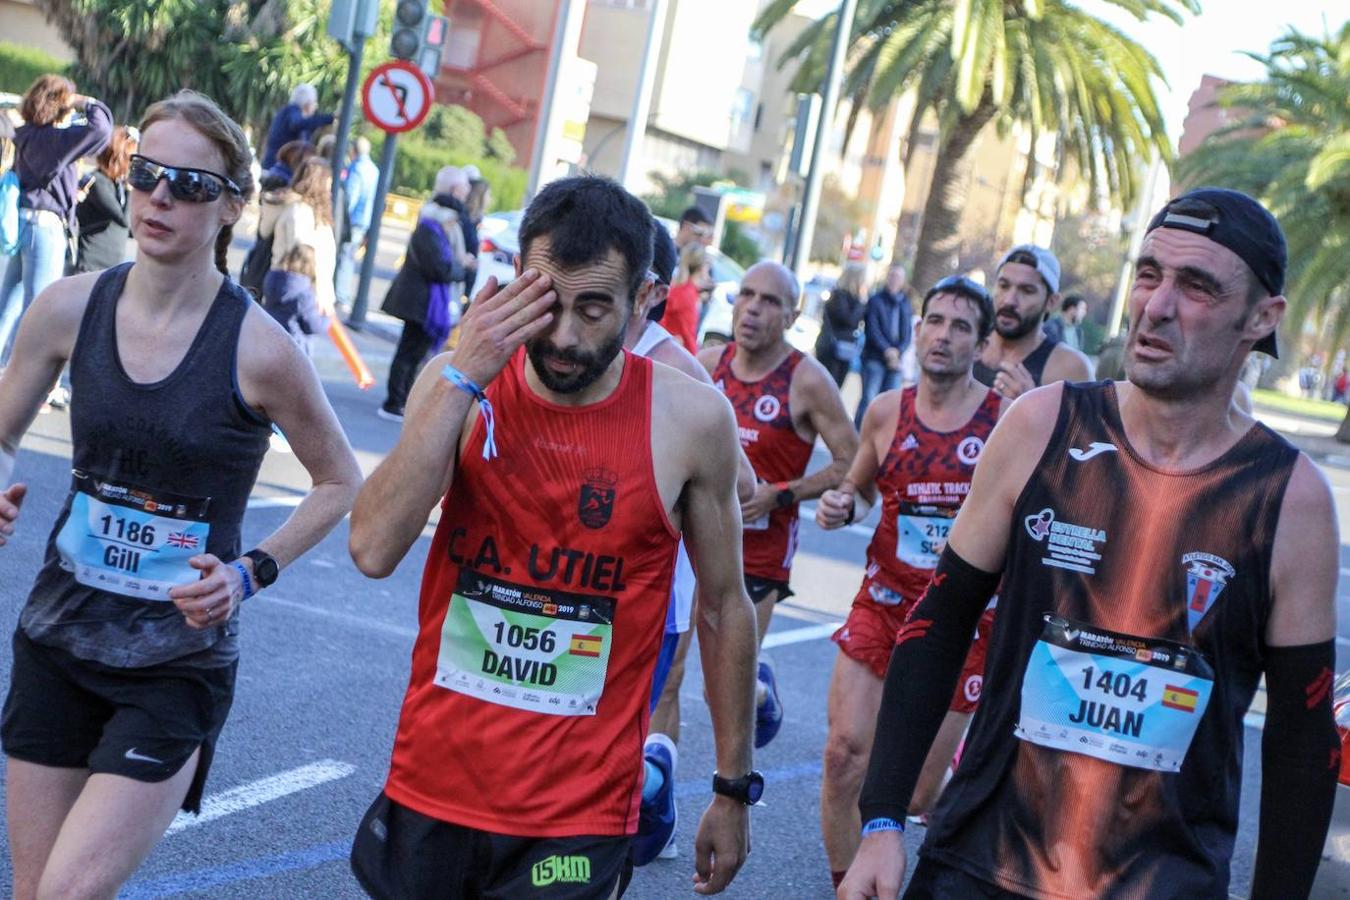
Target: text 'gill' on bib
1116,697
525,647
131,541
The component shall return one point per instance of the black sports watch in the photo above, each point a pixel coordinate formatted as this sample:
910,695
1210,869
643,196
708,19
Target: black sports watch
747,789
784,498
265,568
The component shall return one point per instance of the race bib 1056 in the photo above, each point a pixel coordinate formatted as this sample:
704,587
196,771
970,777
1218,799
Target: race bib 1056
131,541
525,647
1124,699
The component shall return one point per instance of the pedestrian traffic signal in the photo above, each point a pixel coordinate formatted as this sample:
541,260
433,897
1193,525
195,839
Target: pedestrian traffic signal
409,21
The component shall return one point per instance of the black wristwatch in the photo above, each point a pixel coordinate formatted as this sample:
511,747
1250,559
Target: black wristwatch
784,498
747,789
265,568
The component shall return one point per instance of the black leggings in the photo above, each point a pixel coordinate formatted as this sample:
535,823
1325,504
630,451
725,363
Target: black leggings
414,346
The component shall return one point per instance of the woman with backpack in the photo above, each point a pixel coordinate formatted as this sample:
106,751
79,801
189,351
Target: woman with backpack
47,147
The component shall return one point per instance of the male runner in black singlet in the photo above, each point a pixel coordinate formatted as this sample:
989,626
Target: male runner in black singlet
1158,552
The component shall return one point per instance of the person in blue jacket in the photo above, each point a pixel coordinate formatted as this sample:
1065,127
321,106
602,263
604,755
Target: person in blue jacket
297,121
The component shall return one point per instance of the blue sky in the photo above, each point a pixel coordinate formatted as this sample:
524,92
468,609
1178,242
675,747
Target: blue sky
1208,44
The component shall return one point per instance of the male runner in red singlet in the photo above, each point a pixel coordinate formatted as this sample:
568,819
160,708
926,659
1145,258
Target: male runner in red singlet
1018,356
783,399
517,766
1159,550
919,448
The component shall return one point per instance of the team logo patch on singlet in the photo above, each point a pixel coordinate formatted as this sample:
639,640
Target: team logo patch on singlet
969,450
130,541
1206,575
767,408
1124,699
1069,546
528,648
596,503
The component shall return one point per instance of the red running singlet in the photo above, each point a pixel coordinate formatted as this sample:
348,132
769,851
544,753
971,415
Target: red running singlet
541,615
777,453
923,481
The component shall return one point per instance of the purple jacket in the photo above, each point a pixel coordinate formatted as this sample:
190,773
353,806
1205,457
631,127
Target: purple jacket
45,160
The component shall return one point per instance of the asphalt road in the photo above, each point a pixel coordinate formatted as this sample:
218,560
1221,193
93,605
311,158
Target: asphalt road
324,664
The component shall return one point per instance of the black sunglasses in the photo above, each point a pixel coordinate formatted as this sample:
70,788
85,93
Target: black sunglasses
960,284
188,185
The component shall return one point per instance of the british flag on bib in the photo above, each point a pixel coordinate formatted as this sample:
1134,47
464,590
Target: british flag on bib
183,540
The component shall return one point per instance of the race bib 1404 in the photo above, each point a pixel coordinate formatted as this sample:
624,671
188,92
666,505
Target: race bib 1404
525,647
131,541
1124,699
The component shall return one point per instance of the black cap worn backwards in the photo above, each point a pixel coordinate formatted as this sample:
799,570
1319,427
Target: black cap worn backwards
664,259
1236,221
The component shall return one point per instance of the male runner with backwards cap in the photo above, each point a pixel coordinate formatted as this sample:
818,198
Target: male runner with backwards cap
566,469
646,337
919,448
1159,550
783,399
1018,356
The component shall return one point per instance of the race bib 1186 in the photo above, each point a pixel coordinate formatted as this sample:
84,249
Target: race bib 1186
525,647
1124,699
131,541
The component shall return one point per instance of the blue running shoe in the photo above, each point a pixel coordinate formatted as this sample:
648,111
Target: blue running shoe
769,714
656,819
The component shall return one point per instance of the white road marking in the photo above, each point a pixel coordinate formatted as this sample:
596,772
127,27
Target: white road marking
275,502
1254,719
363,622
797,635
264,790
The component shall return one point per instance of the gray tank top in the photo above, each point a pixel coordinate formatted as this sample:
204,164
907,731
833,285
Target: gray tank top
161,472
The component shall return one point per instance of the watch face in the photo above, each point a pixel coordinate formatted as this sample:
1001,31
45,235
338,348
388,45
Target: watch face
265,570
754,788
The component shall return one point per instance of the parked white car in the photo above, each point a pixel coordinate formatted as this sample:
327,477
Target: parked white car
498,244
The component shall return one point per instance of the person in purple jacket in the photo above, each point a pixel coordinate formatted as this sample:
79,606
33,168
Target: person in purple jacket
288,295
47,146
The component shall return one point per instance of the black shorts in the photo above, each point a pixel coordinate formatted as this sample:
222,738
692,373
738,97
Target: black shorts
142,723
400,854
759,588
937,881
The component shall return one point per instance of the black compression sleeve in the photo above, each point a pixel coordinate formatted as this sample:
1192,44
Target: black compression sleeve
924,668
1300,762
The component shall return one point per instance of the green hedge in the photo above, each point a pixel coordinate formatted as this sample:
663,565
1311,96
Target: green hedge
417,162
19,66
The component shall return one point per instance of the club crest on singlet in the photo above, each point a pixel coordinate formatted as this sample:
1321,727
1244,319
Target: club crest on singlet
1068,546
767,408
969,450
1206,575
596,502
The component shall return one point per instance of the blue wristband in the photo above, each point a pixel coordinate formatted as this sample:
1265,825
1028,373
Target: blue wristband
248,581
882,824
470,387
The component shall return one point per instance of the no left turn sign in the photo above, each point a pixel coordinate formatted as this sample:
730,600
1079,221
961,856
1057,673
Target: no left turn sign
397,96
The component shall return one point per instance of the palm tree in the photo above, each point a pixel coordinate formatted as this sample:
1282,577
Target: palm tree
1290,147
1045,64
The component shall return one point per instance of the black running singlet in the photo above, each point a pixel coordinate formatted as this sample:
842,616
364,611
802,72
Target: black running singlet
162,472
1034,361
1106,761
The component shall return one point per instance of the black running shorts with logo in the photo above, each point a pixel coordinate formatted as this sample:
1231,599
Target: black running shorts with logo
400,854
142,723
760,588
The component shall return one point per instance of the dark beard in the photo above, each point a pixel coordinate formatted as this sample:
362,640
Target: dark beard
1025,324
593,365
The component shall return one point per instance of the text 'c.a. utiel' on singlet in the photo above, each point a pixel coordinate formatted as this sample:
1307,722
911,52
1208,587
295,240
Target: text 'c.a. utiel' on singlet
1105,758
162,473
776,452
542,610
923,480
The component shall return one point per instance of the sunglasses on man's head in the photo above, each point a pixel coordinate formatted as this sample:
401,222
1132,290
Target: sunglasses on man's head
188,185
960,284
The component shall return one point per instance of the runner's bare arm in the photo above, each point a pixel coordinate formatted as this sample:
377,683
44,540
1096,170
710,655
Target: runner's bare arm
726,635
856,494
1067,364
1300,747
393,506
814,392
41,347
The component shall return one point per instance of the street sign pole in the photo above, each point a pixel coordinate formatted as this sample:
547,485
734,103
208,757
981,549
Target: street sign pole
345,120
359,305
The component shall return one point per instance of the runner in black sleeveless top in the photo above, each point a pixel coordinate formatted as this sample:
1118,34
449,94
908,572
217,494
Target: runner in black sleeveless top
126,650
1018,356
1159,552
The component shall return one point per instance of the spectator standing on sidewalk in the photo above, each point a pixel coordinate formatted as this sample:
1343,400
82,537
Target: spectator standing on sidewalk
359,186
102,213
424,293
837,344
306,218
682,303
296,121
887,328
1067,326
47,147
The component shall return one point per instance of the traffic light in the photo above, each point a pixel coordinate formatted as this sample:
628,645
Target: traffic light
410,18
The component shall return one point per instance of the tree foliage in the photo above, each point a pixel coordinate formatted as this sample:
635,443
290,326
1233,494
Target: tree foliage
1046,64
20,66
